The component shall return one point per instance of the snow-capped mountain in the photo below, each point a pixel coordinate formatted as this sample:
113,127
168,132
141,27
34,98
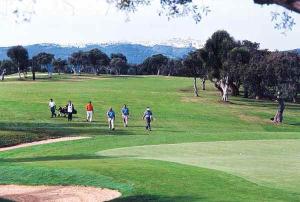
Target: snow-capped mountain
135,53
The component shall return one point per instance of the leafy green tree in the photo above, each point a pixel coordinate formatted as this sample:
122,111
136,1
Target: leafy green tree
195,67
59,65
235,66
118,63
79,60
98,60
9,66
19,56
154,64
218,47
44,60
286,67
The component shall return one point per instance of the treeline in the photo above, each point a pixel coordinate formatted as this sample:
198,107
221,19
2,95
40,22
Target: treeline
233,66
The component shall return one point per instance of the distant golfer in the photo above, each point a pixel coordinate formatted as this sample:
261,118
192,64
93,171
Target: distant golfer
148,117
278,118
89,111
111,118
70,110
52,107
125,115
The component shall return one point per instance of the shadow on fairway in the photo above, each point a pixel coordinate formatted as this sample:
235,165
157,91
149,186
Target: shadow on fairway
61,129
158,198
54,158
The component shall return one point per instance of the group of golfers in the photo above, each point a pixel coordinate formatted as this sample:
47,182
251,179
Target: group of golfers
69,110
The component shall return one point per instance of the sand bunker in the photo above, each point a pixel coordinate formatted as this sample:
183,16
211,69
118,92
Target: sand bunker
42,142
56,193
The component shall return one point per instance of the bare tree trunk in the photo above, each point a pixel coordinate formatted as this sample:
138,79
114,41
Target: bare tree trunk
3,74
203,83
33,73
158,72
19,71
224,86
74,70
195,87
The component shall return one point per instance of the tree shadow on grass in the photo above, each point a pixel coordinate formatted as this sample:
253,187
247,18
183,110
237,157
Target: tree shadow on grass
158,198
61,129
54,158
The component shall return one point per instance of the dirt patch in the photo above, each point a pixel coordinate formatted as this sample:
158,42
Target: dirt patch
42,142
56,193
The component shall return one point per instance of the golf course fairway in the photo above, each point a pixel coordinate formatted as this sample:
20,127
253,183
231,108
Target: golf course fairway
199,149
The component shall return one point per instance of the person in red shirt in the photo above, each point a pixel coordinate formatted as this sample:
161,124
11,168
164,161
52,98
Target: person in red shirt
89,111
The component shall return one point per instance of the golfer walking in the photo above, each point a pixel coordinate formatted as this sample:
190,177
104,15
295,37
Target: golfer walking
70,110
148,117
111,118
52,107
281,106
125,115
89,111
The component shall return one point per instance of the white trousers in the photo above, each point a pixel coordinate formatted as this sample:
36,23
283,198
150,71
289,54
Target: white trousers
111,123
89,116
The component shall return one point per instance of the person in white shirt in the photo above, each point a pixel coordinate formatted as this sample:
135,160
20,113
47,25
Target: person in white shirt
52,107
70,109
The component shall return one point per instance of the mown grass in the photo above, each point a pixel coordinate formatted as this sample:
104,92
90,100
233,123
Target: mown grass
179,118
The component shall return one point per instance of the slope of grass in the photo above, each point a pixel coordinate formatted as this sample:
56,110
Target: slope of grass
273,163
179,118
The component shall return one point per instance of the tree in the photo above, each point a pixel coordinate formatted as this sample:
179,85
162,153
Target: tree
44,60
218,47
256,77
194,64
235,66
154,64
286,67
9,66
79,60
59,65
118,63
178,8
293,5
98,60
19,56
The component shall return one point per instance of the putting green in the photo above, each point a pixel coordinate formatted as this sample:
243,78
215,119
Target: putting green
273,163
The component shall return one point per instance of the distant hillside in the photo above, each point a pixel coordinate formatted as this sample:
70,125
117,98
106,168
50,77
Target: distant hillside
297,50
135,53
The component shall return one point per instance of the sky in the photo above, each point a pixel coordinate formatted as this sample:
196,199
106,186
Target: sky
95,21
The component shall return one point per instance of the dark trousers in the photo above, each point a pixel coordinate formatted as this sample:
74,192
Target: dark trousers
53,114
70,116
148,123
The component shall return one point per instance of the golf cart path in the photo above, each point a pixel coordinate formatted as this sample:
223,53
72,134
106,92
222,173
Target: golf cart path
62,139
56,193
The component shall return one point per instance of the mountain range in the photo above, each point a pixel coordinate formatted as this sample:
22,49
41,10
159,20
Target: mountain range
135,53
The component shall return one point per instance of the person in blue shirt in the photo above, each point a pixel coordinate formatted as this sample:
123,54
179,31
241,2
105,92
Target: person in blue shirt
111,118
125,115
148,117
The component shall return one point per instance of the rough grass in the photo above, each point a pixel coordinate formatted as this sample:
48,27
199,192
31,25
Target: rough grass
179,118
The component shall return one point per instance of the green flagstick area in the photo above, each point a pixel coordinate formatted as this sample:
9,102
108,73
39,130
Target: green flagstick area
199,149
